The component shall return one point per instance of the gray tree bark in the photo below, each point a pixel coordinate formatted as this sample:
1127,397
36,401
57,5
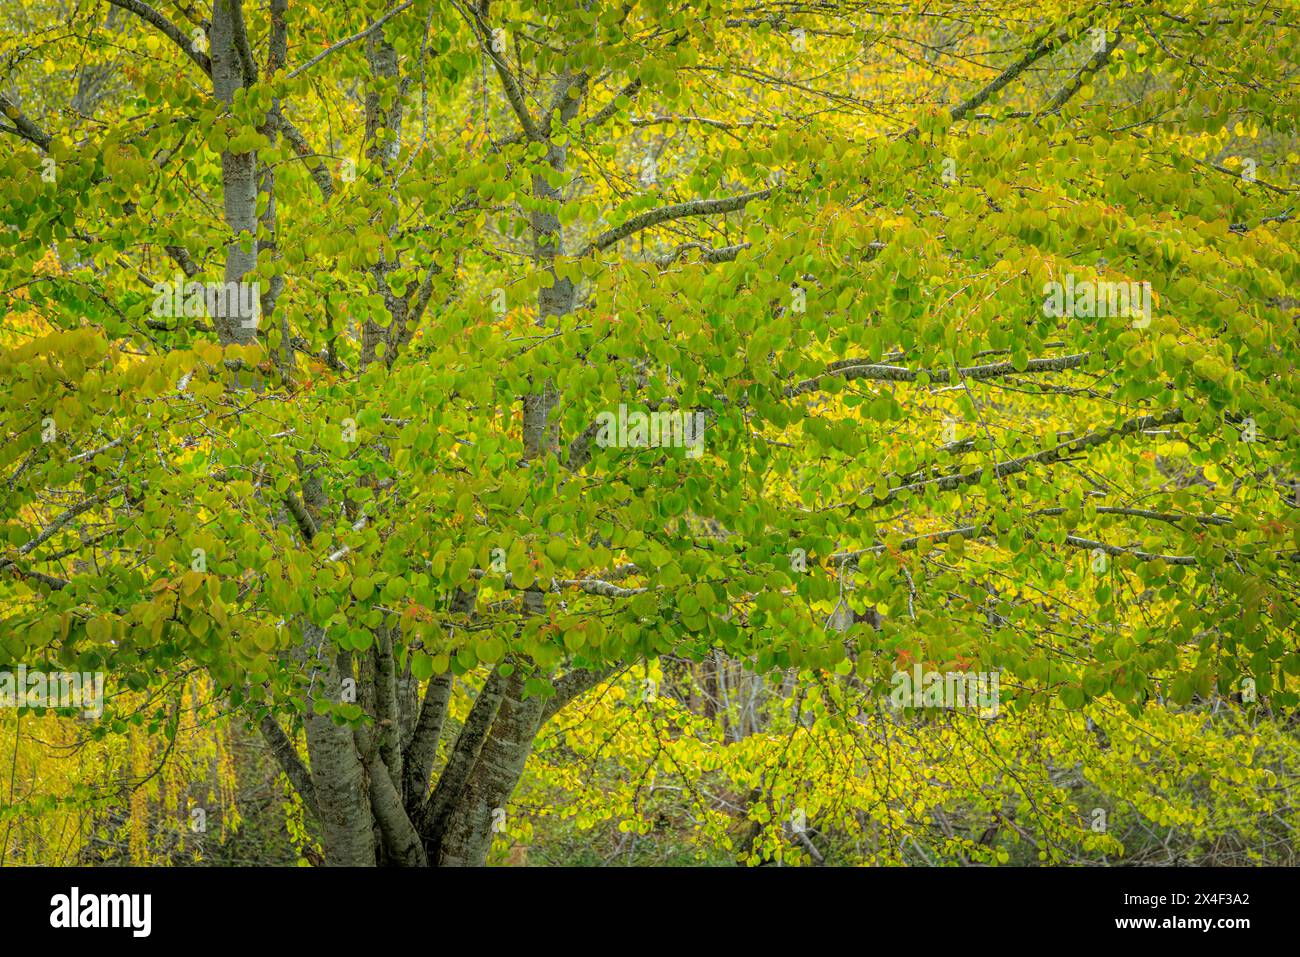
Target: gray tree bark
238,170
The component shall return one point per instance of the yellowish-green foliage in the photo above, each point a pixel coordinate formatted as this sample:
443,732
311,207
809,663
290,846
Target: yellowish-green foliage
76,797
863,247
1048,785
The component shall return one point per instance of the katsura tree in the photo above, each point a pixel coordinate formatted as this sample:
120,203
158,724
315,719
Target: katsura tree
366,354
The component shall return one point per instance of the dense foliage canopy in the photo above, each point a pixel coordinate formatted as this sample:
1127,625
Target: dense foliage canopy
610,400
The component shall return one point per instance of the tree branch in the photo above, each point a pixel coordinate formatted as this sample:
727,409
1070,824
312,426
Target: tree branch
287,755
887,373
22,125
349,40
514,93
168,29
653,217
947,483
